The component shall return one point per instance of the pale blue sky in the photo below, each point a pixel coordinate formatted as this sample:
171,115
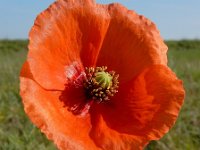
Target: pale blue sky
176,19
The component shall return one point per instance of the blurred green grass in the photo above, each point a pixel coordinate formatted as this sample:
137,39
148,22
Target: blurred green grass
18,133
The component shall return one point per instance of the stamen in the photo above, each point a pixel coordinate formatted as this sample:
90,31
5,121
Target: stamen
100,85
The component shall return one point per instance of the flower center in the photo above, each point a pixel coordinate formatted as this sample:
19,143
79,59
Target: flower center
104,79
100,85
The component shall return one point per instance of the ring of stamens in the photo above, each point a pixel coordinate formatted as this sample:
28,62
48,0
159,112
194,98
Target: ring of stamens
100,85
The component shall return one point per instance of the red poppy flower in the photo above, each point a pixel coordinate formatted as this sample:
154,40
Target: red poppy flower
78,102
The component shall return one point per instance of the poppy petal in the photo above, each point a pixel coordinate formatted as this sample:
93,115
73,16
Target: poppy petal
47,112
68,31
109,139
132,43
147,106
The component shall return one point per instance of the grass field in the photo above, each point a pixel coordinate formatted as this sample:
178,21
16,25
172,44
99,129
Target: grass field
18,133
